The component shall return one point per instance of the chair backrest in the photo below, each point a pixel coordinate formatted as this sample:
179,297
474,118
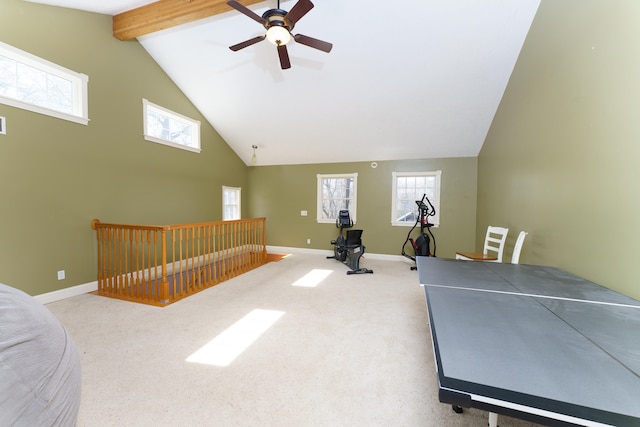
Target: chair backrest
354,238
515,258
494,241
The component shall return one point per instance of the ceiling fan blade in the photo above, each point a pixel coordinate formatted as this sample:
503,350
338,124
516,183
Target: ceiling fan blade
284,56
299,10
314,43
246,11
237,47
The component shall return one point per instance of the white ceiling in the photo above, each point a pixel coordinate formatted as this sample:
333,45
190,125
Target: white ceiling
414,79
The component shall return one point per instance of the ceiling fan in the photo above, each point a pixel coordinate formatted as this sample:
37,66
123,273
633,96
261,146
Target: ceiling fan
279,24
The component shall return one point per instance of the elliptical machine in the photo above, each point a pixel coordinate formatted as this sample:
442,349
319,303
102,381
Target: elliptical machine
422,244
348,249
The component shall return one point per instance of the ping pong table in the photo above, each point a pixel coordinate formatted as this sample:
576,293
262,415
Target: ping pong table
533,342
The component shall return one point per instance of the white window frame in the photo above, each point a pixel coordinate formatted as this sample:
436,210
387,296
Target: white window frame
79,82
238,207
434,199
194,124
353,198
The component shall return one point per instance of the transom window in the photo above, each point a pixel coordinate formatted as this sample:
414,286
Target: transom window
335,193
35,84
409,187
170,128
231,203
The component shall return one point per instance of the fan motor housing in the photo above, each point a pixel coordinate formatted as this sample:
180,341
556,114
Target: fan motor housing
277,17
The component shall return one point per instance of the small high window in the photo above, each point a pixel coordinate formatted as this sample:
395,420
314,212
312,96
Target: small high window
35,84
170,128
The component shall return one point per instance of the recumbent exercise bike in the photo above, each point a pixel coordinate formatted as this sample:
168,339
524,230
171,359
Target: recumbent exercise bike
348,249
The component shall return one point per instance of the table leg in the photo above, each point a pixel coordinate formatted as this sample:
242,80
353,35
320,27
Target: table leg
493,419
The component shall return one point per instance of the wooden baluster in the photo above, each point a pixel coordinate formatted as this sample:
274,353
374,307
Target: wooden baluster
192,272
132,260
109,259
134,264
199,260
112,260
246,247
216,251
146,266
174,268
164,296
234,248
207,256
231,249
221,246
101,262
123,262
180,273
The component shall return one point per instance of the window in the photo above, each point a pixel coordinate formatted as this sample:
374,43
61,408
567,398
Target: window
409,187
335,193
169,128
35,84
231,203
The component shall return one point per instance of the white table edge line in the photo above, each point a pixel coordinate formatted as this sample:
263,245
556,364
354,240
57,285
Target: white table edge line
533,295
535,411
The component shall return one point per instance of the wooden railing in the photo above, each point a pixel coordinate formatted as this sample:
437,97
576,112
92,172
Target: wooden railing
159,265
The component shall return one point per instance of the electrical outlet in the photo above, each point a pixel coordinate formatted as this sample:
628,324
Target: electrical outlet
308,241
61,275
303,213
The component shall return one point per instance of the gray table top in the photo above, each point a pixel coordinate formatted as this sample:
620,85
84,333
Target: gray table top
534,336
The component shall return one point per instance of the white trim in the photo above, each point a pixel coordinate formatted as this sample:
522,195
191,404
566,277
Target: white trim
237,190
435,200
42,110
80,103
86,288
195,125
536,411
353,212
65,293
522,294
327,252
170,144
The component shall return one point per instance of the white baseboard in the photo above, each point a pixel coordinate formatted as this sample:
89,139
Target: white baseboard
67,292
73,291
325,252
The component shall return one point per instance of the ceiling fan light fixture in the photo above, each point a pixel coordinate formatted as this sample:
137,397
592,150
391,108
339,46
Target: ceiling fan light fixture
279,25
278,35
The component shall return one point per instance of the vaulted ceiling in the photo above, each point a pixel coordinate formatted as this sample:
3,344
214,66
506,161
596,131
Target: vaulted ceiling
405,80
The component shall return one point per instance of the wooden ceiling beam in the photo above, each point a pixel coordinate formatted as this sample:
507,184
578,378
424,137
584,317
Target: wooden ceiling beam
166,14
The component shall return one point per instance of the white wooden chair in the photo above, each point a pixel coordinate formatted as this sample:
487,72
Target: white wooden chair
515,258
493,246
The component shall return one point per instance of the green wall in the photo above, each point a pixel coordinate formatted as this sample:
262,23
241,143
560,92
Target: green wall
56,176
561,158
281,192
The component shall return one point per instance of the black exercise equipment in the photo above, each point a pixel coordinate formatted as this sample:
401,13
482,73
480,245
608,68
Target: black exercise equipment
422,244
349,248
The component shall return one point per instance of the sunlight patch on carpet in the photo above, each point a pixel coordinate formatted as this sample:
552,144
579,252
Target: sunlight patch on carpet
276,257
233,341
312,278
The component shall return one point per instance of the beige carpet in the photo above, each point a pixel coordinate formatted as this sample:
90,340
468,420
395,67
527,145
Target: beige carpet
349,351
